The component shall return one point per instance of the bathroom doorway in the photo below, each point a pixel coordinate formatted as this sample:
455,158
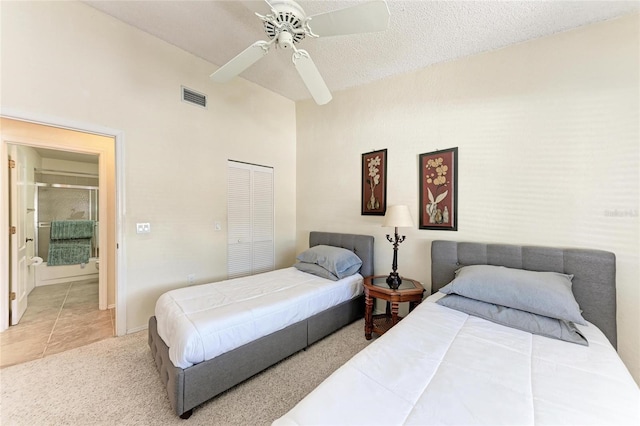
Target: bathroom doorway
60,176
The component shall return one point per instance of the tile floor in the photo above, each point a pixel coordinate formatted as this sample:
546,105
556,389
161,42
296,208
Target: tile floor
58,317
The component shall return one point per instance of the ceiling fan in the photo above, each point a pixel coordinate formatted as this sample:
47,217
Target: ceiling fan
287,24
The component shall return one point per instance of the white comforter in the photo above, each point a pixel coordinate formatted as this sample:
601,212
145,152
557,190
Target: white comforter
439,366
201,322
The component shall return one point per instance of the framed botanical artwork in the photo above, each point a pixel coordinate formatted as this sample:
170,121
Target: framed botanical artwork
374,183
438,176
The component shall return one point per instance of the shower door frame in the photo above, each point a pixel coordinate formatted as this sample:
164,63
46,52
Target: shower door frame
38,224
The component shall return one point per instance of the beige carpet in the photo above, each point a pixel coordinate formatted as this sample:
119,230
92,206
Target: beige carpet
115,382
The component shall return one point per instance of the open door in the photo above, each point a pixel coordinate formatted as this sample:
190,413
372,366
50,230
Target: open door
18,246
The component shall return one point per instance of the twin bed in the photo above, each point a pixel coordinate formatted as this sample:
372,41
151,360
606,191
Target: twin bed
442,365
206,339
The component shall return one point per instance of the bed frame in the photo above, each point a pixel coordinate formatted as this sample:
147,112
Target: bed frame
594,281
190,387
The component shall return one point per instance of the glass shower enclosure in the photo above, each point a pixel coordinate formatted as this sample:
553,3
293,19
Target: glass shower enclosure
64,197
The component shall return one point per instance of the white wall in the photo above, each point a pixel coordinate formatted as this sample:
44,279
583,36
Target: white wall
70,166
67,60
548,136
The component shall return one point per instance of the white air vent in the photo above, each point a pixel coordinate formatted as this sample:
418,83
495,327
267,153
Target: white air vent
194,97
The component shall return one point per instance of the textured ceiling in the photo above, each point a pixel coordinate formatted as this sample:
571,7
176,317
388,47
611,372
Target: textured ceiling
421,33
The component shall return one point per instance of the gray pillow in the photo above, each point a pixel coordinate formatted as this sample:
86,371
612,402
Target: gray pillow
543,293
312,268
514,318
339,261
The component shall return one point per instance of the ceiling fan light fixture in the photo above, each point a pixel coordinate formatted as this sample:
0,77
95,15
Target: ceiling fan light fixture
285,40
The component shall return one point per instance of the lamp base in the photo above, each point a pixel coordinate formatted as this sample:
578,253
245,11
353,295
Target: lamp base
394,280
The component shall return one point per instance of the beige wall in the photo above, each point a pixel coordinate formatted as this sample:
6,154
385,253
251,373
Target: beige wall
548,137
67,60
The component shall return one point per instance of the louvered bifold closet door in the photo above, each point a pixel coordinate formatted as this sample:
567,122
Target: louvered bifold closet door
250,219
263,256
239,221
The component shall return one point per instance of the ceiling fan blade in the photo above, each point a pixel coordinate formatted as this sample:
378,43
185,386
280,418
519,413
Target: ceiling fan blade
241,62
311,77
362,18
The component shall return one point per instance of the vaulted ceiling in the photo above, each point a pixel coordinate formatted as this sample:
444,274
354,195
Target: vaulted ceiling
421,33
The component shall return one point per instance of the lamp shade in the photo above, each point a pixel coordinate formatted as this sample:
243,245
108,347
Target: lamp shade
398,217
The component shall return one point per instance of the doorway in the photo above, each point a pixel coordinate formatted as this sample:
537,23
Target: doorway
72,143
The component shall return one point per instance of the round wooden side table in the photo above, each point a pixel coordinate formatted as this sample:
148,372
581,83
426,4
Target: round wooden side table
375,287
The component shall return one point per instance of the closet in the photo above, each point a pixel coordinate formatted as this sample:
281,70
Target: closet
250,213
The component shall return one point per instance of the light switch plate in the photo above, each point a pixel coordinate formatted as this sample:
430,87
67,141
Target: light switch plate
143,228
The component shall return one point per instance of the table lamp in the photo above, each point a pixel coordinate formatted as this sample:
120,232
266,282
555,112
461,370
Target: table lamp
396,216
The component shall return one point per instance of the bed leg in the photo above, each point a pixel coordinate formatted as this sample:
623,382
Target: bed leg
186,414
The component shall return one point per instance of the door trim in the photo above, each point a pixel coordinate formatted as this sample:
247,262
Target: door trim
119,249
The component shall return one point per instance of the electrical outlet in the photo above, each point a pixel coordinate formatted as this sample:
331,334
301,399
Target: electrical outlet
191,278
217,226
143,228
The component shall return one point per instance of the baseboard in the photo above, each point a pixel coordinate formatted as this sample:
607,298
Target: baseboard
137,329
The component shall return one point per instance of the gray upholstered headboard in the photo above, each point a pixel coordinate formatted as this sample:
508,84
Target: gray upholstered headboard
594,281
361,245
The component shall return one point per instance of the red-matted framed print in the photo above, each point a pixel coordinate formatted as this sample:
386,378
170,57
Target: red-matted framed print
374,183
438,176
